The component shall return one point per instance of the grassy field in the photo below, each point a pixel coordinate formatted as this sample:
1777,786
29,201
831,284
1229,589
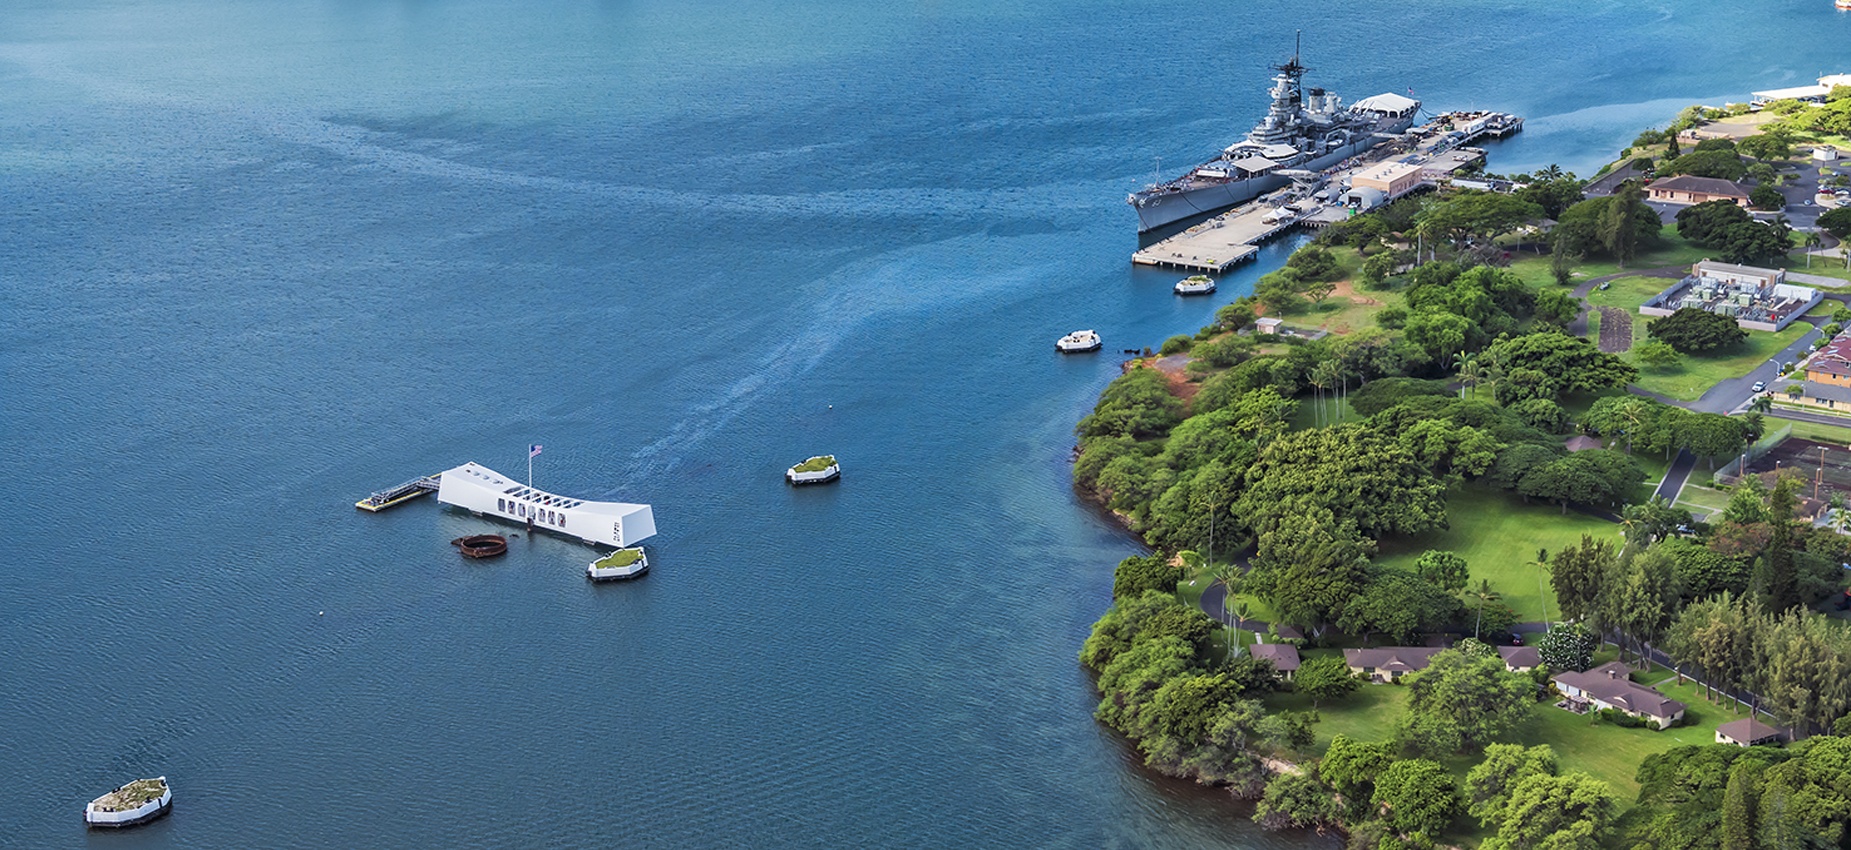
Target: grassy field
1607,752
1814,431
1498,536
1692,376
1670,250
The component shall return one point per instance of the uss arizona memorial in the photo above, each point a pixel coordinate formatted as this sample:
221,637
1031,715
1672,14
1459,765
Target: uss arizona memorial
477,488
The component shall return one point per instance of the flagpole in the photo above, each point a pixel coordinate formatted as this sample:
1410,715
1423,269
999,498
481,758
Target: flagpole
530,467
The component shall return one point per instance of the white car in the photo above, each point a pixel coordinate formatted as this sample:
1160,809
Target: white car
1759,386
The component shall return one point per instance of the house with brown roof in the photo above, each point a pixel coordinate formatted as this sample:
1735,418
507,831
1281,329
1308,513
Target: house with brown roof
1609,686
1685,189
1387,663
1520,659
1284,657
1749,732
1831,364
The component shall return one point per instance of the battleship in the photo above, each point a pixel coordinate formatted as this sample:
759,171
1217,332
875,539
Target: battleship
1303,133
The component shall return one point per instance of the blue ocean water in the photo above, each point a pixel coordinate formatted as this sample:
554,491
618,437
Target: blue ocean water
260,258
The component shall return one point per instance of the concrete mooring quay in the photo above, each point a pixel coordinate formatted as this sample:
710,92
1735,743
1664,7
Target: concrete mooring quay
1216,245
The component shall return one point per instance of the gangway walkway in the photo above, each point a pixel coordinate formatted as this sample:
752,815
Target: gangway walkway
393,496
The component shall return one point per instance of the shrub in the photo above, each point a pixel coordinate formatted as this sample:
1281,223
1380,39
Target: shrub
1176,345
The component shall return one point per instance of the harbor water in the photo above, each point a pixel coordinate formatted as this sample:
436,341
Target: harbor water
258,259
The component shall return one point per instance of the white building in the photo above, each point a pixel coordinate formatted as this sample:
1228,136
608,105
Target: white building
484,491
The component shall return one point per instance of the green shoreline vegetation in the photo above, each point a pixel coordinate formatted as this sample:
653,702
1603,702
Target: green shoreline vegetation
1409,475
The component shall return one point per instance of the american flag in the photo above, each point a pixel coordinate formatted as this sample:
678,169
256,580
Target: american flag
533,451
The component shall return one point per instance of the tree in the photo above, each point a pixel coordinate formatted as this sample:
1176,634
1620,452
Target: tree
1489,783
1739,802
1481,214
1460,703
1616,231
1482,596
1657,354
1836,222
1766,197
1280,292
1310,566
1577,574
1692,330
1416,797
1442,569
1725,165
1555,812
1136,575
1568,647
1297,801
1754,242
1136,404
1542,414
1558,364
1769,146
1351,767
1557,308
1398,604
1324,677
1313,264
1706,223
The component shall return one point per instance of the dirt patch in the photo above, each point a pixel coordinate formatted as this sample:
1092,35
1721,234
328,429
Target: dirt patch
1615,330
1175,370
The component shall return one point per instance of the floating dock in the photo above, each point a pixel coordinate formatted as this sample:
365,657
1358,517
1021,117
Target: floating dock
1425,157
394,496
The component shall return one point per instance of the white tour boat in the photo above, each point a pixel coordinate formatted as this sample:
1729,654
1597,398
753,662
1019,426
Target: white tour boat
1200,284
137,802
821,469
623,563
1077,342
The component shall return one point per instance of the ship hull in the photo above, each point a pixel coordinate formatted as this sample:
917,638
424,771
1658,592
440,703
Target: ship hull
1157,210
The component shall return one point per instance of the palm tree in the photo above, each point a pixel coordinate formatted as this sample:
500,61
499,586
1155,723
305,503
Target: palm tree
1813,240
1325,376
1550,172
1542,566
1762,403
1485,595
1471,376
1227,576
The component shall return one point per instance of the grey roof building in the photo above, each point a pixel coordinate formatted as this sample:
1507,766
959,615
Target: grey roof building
1607,686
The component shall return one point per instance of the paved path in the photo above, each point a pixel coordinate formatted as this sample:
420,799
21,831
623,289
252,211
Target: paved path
1803,416
1675,477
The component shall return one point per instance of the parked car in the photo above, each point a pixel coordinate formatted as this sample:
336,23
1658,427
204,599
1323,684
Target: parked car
1759,386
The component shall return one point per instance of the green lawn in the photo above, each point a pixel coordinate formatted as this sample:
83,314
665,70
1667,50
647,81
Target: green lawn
1607,752
1670,250
1498,536
1814,431
1701,500
1693,376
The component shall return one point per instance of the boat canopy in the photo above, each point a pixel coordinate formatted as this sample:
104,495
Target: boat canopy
1387,103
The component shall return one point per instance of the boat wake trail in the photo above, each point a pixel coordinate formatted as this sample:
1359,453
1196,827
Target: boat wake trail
880,290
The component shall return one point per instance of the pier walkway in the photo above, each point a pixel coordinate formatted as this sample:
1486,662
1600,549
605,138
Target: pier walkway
395,496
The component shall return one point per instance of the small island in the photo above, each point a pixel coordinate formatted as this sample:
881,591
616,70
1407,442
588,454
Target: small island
621,564
1523,532
821,469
